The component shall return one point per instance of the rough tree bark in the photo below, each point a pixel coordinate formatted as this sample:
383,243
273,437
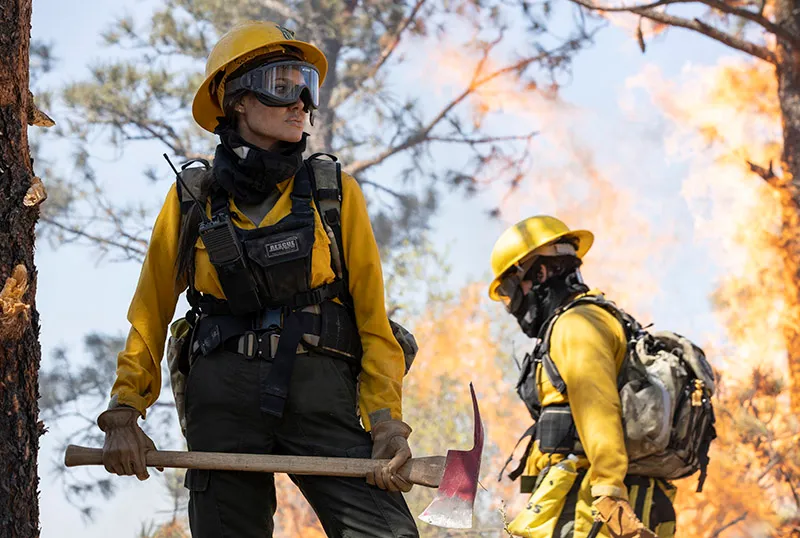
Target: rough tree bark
787,14
20,353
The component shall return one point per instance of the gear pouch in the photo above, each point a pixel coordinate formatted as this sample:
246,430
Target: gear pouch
283,261
407,342
177,356
539,518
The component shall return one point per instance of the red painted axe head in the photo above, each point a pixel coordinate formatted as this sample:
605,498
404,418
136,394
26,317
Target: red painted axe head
452,506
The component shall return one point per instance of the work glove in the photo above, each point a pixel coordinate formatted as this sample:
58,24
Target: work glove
126,445
390,441
620,519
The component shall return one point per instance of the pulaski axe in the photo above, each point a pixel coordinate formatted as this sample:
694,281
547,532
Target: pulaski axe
455,475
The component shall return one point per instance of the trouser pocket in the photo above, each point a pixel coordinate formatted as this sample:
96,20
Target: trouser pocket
204,519
539,517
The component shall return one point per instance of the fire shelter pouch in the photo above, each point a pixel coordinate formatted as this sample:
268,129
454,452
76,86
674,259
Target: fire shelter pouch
539,517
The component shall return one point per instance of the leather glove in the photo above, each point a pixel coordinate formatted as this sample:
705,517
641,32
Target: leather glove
389,439
620,518
126,445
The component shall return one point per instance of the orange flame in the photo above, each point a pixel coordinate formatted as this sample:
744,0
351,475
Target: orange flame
724,117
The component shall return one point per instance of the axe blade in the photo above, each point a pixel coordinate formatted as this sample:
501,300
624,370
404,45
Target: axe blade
452,506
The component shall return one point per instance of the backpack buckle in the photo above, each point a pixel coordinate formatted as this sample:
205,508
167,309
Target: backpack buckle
697,393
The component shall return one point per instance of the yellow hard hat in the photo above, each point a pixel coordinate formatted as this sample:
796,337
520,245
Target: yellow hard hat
521,240
244,42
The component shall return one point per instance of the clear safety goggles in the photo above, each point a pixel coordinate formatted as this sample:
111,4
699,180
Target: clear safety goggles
280,83
509,288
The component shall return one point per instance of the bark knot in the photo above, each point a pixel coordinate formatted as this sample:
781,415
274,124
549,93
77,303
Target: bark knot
15,315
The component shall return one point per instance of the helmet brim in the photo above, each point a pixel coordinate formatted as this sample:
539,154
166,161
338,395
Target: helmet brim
583,238
205,107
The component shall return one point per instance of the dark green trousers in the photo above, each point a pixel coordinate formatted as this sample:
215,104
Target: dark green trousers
223,415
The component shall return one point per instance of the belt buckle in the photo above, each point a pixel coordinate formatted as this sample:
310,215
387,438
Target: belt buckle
275,338
268,319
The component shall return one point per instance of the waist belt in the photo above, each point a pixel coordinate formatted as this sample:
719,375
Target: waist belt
212,331
280,334
258,345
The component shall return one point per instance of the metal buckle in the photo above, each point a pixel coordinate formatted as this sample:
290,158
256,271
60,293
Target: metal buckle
274,339
248,345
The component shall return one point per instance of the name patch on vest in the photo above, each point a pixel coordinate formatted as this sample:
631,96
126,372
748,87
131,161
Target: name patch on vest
284,246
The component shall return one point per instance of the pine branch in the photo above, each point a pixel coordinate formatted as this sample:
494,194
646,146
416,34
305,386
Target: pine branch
385,53
725,527
767,174
648,11
132,252
757,18
383,188
714,33
479,141
423,135
617,9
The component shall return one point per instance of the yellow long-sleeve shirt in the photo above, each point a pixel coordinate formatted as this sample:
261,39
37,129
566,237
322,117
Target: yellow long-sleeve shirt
588,347
138,381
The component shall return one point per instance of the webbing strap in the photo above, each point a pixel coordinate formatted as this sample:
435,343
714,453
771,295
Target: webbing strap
274,384
547,331
318,295
326,178
520,468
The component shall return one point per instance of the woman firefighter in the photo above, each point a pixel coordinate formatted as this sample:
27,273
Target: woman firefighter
281,268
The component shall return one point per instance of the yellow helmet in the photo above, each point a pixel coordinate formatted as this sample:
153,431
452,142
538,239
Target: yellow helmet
242,43
525,237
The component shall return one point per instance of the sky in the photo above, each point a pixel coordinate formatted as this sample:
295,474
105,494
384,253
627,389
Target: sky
77,294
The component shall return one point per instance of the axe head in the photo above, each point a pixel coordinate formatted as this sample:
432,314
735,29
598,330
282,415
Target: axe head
452,506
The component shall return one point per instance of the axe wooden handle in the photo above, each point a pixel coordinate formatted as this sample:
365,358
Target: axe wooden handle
425,471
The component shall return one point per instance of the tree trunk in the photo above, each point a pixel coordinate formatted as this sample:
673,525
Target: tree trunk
19,324
788,71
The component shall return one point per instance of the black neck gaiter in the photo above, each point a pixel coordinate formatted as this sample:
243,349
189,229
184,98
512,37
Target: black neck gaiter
254,177
544,299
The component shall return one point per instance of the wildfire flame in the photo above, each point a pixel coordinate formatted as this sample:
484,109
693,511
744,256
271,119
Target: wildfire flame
723,117
720,119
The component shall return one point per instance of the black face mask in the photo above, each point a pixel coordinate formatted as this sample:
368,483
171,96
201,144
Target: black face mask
253,178
538,305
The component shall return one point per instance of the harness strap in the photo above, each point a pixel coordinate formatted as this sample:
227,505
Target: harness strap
274,385
318,295
519,469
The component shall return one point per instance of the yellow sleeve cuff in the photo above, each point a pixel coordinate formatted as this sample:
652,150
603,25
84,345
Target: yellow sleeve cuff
132,400
609,491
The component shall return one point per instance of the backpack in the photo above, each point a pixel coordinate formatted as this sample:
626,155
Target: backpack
665,386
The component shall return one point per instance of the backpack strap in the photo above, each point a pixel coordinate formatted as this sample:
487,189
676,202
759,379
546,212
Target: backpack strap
194,178
326,180
194,182
629,325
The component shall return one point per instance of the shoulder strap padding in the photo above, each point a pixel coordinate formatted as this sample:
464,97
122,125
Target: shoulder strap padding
548,365
328,195
196,179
